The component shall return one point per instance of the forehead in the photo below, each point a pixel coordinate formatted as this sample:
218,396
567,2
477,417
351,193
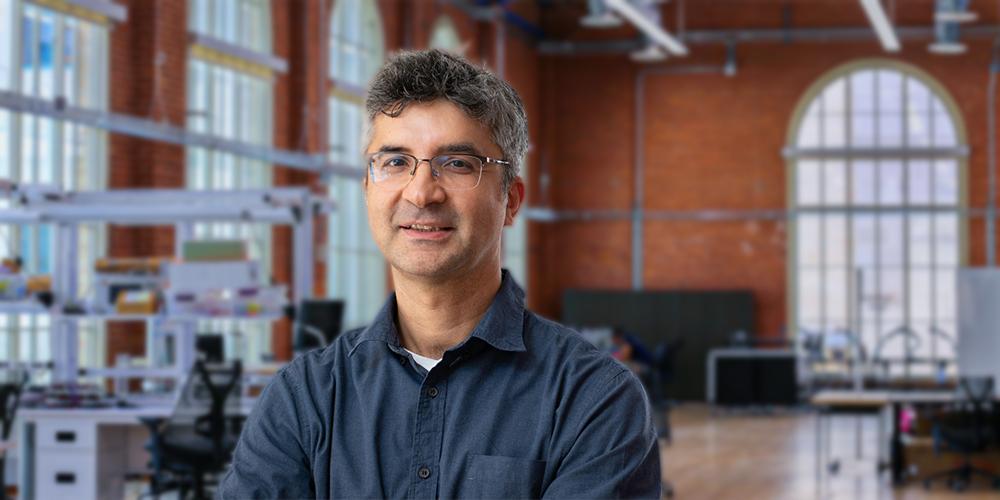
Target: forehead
424,127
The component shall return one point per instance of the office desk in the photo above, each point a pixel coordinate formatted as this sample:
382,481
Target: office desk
831,402
83,454
746,376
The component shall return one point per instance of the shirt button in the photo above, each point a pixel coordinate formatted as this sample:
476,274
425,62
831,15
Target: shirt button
432,392
424,473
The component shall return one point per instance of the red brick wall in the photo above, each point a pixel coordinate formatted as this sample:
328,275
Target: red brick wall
156,30
709,142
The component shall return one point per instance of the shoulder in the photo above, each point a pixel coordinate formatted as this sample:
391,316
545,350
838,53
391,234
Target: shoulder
579,362
315,372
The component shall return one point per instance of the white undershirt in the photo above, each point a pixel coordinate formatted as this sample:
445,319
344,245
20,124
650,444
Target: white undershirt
423,361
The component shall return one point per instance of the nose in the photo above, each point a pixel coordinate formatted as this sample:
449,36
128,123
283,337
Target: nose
422,189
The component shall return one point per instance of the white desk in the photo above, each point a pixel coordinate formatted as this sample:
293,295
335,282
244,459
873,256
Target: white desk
83,454
830,402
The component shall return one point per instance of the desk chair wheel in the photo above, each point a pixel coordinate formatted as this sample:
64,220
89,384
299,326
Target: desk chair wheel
833,466
957,485
666,490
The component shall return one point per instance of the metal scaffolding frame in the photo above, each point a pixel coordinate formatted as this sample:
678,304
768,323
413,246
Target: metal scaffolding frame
296,207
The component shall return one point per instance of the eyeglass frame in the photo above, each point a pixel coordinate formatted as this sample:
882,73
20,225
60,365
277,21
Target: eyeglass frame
484,160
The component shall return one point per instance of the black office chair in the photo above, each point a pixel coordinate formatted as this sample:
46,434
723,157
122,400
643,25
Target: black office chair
663,376
199,437
968,428
10,396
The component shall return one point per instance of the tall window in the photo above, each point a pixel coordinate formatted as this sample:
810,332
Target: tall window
355,267
246,23
49,54
877,183
235,105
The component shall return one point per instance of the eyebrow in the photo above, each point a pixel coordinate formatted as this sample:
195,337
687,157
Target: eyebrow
458,147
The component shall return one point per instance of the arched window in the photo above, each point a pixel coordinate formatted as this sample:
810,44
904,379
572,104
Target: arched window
49,53
876,172
444,35
355,267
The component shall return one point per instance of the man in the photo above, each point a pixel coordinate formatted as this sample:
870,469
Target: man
455,390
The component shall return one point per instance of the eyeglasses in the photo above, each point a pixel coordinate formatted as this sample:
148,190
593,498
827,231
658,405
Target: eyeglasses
389,170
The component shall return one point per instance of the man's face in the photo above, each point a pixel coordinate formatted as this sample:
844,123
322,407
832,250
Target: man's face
470,221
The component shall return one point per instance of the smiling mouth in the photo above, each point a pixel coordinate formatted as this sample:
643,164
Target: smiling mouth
426,229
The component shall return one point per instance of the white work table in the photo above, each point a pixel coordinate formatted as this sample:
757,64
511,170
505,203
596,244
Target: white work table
83,453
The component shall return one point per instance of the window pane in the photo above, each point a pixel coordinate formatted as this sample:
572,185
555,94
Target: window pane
945,179
946,238
836,240
809,130
863,129
892,292
808,177
834,130
810,296
922,239
890,181
863,182
945,294
834,182
865,240
891,240
863,91
919,180
921,294
809,234
837,295
918,121
944,128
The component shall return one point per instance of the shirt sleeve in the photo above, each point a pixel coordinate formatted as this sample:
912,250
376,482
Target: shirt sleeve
270,460
614,454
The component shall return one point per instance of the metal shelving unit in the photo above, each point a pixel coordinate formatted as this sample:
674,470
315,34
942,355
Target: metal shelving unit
295,207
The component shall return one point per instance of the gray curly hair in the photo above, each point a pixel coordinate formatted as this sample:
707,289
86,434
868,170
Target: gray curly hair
429,75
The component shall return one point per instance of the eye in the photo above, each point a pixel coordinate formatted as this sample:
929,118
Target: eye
393,163
459,164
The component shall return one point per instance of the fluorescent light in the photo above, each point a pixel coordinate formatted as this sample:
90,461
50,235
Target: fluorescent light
881,25
651,53
654,31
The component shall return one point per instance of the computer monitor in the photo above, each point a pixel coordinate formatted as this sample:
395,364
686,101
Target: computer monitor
316,318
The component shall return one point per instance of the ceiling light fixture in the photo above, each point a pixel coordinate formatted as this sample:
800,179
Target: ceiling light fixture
880,23
653,31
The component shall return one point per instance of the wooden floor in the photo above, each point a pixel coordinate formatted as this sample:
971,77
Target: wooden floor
754,456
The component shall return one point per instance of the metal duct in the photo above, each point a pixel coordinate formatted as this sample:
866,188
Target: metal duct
948,16
599,16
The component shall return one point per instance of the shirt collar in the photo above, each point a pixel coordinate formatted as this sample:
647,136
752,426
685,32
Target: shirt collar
501,327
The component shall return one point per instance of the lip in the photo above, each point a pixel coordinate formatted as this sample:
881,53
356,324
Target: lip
444,233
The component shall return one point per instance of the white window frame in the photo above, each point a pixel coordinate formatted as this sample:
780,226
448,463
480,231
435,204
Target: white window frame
912,155
76,160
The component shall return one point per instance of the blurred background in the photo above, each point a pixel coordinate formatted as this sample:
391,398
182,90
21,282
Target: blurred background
780,213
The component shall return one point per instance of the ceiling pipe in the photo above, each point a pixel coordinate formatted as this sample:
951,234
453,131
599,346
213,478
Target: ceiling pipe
722,37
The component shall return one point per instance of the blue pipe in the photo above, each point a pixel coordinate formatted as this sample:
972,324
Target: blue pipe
528,27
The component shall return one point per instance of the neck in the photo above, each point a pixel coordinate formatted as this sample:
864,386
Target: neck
436,316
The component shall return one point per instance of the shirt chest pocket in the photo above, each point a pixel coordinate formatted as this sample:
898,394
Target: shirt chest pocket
492,476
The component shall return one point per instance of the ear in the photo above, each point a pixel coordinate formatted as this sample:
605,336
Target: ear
515,196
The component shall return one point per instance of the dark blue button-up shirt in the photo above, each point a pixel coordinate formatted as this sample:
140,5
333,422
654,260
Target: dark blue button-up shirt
523,408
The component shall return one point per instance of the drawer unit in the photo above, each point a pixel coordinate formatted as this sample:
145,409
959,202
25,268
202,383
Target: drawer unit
65,434
69,474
